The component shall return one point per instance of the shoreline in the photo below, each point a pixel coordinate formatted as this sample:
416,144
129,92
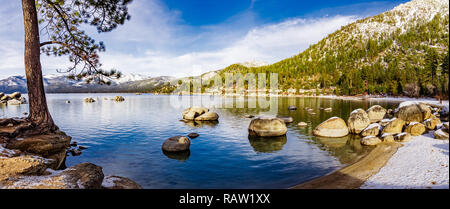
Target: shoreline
353,176
384,168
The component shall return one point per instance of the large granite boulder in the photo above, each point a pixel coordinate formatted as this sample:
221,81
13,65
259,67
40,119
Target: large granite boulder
358,121
199,114
371,130
376,113
14,167
267,127
118,182
333,127
209,116
395,126
427,111
415,129
15,95
176,144
81,176
432,122
412,112
52,146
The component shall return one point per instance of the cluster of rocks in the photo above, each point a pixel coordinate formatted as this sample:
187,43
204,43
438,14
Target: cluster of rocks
199,114
12,99
378,125
178,144
267,127
89,100
119,99
33,163
75,149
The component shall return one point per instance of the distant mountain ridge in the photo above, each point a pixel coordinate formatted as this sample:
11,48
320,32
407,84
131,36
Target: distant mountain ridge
128,82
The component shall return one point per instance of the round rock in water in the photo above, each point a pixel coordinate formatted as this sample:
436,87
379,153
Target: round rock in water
176,144
376,113
333,127
358,121
267,127
287,119
193,135
302,124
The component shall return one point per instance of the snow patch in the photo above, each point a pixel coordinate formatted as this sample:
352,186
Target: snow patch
420,164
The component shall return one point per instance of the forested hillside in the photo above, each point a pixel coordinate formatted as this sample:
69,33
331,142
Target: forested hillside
402,51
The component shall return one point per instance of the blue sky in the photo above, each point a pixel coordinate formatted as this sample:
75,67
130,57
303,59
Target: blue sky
180,38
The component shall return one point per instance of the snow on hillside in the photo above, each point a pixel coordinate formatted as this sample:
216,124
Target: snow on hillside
402,17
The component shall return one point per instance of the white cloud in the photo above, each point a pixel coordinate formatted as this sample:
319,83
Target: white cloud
270,43
157,42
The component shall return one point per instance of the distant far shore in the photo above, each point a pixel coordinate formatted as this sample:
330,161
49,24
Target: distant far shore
369,97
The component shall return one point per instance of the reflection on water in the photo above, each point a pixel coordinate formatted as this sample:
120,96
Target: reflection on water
267,144
125,139
200,124
180,156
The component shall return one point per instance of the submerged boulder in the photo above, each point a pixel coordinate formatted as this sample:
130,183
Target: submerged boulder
193,135
370,141
333,127
415,128
14,102
176,144
358,121
267,127
287,119
387,137
376,113
395,126
302,124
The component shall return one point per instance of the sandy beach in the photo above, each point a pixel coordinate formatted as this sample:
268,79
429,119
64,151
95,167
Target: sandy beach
421,163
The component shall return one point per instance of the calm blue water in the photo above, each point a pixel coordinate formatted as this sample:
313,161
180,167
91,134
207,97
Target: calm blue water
125,138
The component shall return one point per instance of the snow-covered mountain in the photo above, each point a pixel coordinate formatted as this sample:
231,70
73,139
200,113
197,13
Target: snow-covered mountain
55,83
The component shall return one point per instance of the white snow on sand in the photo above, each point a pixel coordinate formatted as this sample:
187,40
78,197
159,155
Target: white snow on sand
421,163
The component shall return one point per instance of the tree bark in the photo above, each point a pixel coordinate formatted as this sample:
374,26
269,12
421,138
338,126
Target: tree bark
39,114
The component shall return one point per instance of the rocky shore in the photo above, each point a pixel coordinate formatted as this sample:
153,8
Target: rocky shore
420,163
37,162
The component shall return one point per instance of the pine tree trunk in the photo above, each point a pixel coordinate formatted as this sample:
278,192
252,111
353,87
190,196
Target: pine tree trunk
39,114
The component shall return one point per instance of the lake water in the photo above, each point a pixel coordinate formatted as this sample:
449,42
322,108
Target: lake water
125,139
